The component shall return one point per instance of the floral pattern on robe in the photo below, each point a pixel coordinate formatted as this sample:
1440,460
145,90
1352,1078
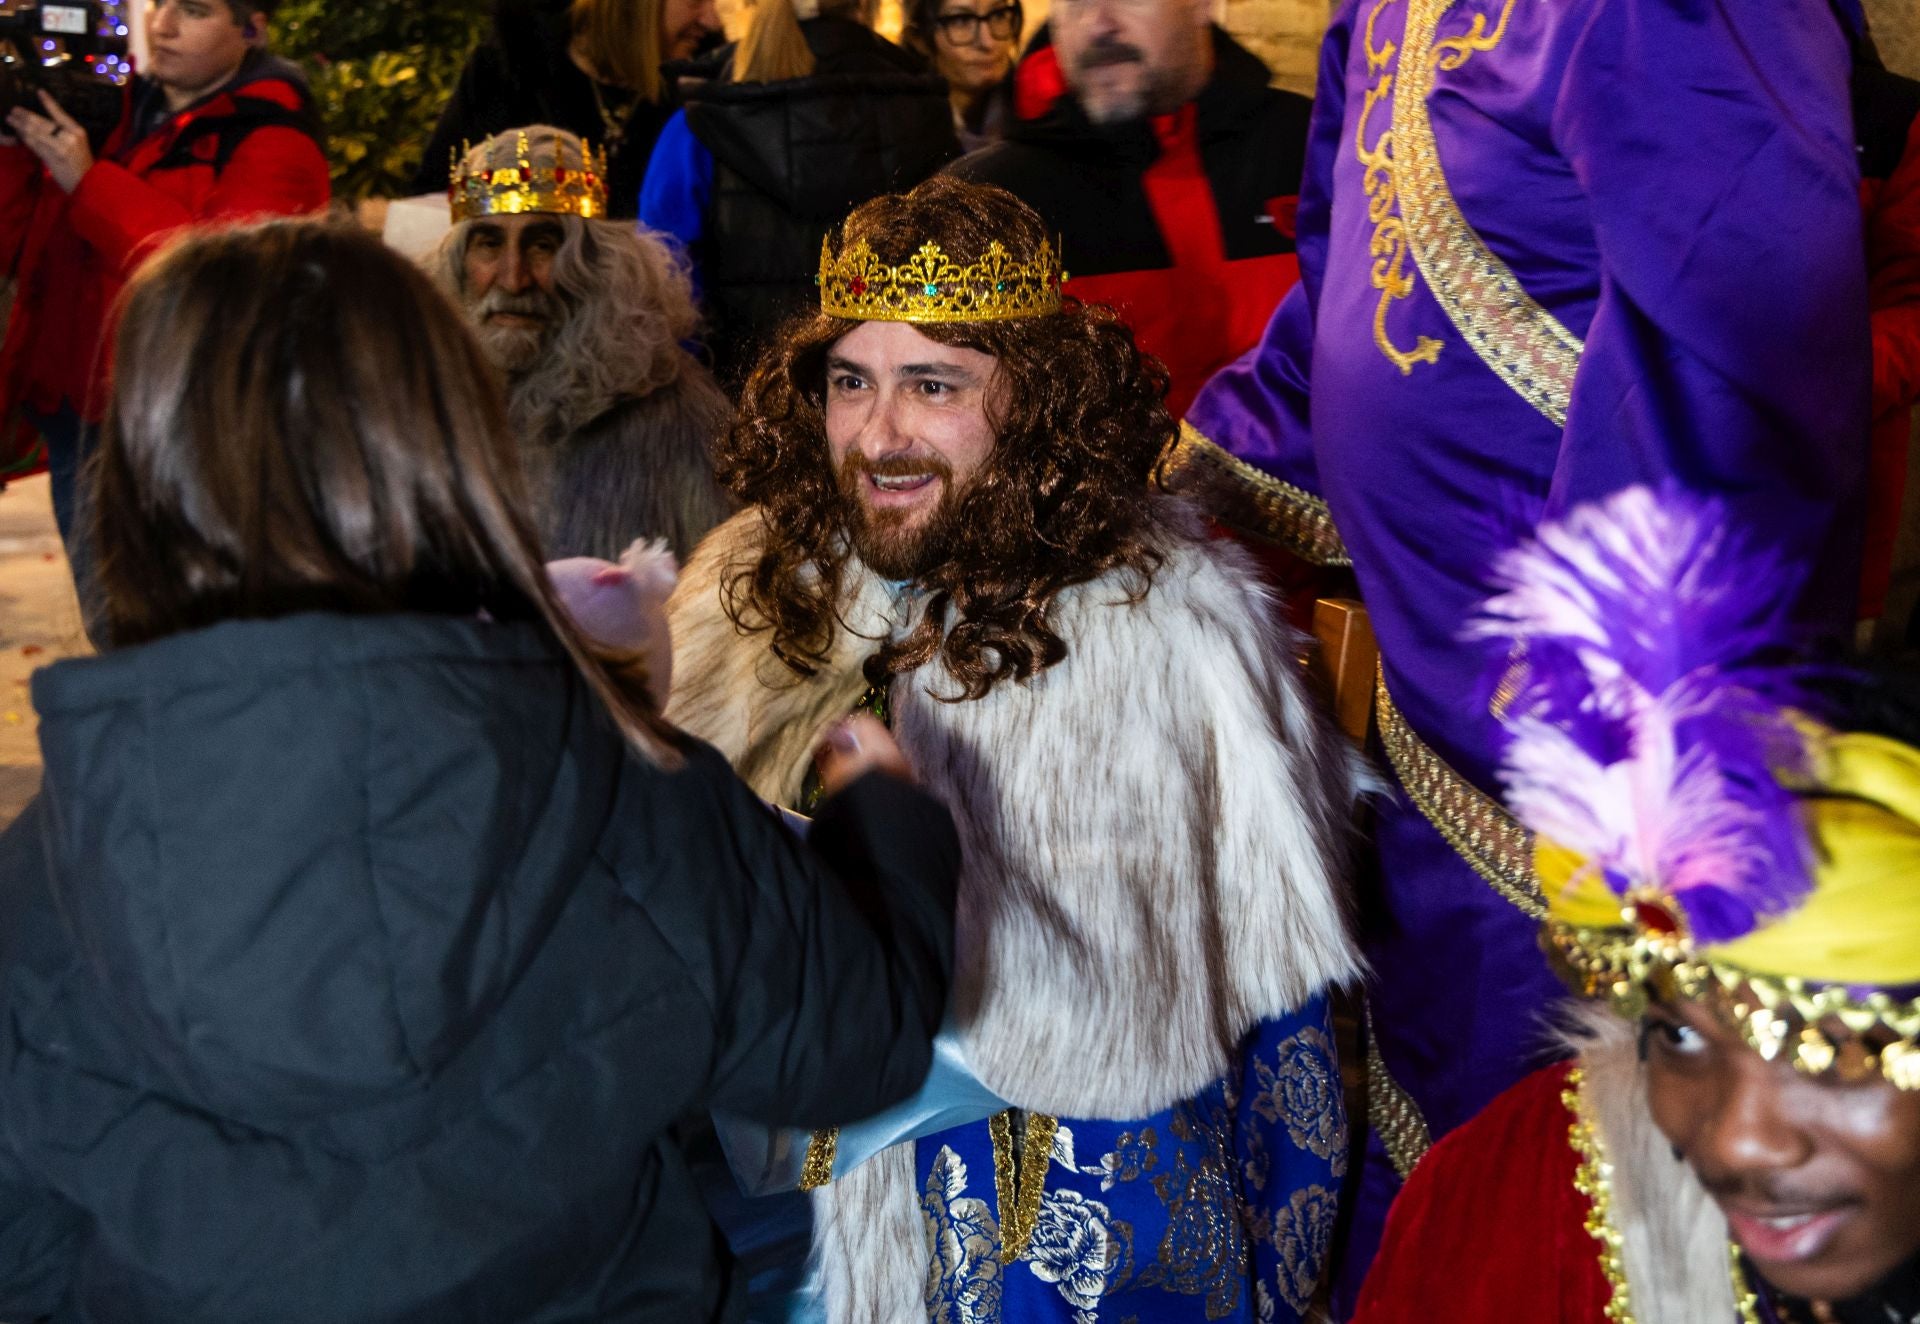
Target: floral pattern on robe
1220,1208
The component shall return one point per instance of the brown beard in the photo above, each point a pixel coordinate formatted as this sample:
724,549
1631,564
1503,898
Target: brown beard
881,538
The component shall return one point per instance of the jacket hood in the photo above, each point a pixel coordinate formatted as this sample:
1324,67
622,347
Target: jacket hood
820,145
266,88
263,67
301,861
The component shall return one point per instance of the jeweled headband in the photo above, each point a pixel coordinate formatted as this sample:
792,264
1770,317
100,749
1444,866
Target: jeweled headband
550,186
1697,837
931,287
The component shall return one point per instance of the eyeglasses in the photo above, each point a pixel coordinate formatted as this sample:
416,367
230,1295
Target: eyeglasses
964,29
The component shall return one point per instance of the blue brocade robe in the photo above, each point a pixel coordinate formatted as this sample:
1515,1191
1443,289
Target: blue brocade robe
1220,1208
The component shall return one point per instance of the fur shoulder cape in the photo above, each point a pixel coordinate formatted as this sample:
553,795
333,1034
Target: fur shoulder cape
1154,832
1154,828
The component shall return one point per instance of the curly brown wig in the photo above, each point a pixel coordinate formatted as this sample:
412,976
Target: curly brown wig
1062,499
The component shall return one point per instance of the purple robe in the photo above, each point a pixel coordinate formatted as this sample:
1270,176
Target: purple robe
1547,250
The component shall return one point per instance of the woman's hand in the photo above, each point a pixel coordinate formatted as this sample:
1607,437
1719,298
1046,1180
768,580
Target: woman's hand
855,747
57,139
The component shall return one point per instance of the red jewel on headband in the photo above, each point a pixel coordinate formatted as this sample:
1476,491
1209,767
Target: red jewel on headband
559,174
858,287
1655,918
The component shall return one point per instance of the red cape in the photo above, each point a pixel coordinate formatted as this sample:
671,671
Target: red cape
1489,1228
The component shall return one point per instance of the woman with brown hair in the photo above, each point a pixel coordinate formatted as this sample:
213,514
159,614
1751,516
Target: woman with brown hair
373,932
972,44
591,67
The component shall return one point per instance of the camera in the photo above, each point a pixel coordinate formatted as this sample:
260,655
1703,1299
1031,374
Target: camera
57,46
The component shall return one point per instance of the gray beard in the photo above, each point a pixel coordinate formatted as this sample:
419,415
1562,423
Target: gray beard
512,349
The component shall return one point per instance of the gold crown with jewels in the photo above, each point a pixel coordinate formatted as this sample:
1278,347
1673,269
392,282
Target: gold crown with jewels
932,287
522,187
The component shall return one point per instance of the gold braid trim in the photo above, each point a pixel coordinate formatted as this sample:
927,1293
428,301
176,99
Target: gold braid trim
1525,345
1745,1299
1020,1185
1392,1113
817,1170
1486,836
1594,1179
1249,501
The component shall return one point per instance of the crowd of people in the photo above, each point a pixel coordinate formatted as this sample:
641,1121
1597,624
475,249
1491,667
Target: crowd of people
731,743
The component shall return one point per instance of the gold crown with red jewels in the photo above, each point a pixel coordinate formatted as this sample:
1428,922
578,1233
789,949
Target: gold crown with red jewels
550,186
932,287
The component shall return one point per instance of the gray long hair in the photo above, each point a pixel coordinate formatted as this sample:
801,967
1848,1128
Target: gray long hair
629,307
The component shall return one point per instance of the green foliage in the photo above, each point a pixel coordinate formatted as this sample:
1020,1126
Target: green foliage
381,71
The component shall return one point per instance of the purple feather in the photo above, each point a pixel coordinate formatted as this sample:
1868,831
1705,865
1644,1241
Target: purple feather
1647,734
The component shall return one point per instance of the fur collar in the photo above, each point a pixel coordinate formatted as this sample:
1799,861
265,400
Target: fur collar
1674,1239
1154,829
1154,834
732,692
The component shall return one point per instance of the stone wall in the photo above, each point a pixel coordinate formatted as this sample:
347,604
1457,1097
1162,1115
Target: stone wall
1286,34
1896,31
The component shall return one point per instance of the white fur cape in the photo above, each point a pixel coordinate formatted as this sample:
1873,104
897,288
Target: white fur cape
1153,830
1673,1237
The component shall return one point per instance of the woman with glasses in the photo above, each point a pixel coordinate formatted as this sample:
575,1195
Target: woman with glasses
972,44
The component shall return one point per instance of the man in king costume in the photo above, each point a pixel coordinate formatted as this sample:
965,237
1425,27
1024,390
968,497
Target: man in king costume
1547,250
585,317
950,523
1731,859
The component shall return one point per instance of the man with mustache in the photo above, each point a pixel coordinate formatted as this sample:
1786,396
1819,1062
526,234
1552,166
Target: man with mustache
950,525
585,316
1731,854
1150,141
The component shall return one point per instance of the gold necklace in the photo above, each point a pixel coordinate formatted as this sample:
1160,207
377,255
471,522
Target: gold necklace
1020,1181
615,121
1745,1299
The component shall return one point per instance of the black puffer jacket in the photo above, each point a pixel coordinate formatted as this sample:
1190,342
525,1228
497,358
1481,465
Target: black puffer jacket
353,972
791,159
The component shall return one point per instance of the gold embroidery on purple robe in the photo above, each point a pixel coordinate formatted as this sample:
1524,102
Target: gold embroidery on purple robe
1249,500
1381,178
1415,213
1525,345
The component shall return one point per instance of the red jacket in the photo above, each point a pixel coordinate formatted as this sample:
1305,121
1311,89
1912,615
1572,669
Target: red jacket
1892,201
246,150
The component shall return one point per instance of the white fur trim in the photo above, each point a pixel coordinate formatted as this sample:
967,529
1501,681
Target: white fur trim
1152,833
870,1242
1674,1239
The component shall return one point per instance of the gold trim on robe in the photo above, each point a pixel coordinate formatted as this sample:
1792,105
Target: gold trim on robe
1249,501
1414,210
1480,830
